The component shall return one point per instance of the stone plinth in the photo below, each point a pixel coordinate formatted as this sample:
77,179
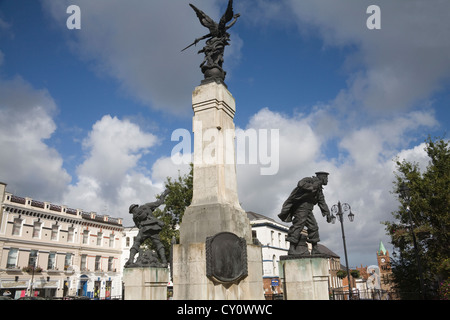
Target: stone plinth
190,281
304,278
145,283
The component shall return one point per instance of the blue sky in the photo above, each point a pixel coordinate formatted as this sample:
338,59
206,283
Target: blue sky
86,116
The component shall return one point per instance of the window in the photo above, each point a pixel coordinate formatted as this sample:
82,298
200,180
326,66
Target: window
51,264
17,227
37,229
127,244
70,233
83,265
68,261
97,263
32,259
99,238
85,236
110,263
12,258
272,236
55,231
111,240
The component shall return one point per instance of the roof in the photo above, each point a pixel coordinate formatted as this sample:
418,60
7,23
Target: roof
256,216
327,251
382,248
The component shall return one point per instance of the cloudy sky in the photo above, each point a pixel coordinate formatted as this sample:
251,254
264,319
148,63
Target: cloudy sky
87,115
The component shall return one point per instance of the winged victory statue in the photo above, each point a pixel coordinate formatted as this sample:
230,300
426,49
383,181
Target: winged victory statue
218,39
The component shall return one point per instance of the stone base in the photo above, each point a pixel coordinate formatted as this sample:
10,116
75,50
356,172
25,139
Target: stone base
305,278
191,283
202,221
145,283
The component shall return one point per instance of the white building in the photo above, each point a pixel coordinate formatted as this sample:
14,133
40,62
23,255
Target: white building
54,251
272,236
129,234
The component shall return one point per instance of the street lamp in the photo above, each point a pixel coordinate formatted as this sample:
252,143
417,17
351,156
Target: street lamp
33,265
405,194
339,210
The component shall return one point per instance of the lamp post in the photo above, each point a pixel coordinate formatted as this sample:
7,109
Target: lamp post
405,194
33,265
339,210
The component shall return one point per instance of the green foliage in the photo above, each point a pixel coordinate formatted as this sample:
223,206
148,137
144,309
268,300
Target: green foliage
355,274
444,290
428,218
341,274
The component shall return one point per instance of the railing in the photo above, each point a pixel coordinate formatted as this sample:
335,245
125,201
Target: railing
370,294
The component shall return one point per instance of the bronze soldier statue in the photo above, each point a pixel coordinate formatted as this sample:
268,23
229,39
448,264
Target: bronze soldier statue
149,228
298,209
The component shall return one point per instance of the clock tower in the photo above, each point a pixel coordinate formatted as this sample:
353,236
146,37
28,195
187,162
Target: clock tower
384,263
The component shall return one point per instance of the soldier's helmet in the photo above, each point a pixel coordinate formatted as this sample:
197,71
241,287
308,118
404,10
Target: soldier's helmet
132,207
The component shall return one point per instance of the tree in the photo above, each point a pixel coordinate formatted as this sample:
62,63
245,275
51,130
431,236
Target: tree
426,216
178,199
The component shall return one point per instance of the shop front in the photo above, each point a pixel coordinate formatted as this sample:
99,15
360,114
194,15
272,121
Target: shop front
14,288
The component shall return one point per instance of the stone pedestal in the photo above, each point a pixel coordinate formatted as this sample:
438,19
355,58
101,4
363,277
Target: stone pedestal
145,283
191,281
304,278
215,205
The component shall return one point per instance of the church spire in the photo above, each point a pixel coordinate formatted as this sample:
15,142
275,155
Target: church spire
382,249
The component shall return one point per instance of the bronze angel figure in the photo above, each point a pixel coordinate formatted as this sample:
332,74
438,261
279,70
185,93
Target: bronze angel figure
215,45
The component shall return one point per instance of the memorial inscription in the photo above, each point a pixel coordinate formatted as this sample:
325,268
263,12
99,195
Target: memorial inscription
226,257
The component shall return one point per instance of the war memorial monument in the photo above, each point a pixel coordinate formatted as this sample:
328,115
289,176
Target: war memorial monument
216,257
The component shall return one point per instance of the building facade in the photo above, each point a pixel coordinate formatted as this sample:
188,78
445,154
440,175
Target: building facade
272,237
53,251
129,234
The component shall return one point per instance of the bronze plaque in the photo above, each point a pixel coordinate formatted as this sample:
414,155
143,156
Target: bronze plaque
226,257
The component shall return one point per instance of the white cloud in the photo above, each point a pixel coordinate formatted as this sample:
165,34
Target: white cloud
361,173
417,155
111,176
139,44
166,167
27,163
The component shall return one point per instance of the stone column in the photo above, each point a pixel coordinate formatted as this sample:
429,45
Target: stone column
215,205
